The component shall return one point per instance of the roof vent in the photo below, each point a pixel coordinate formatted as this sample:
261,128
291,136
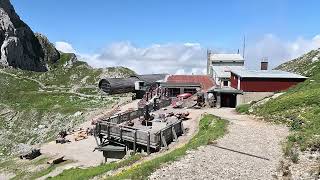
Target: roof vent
264,63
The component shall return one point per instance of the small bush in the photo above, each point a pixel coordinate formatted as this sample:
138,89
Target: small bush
243,108
294,157
296,124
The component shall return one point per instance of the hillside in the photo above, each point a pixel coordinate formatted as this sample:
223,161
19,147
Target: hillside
43,91
34,106
299,107
307,65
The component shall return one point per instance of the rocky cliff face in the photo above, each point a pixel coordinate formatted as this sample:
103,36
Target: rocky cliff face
20,48
51,54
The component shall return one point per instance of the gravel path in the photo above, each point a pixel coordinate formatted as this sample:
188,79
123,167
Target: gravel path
251,150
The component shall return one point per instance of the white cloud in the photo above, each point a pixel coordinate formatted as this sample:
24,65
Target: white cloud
172,58
190,58
65,47
278,50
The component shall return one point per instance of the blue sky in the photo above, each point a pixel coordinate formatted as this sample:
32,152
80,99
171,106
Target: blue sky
94,27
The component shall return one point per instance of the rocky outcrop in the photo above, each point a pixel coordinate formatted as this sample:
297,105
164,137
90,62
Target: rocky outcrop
51,54
307,64
20,48
71,61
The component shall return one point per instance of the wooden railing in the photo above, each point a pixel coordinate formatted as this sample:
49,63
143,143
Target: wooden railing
154,140
130,115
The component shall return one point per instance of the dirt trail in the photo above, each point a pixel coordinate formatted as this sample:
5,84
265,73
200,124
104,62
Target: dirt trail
251,150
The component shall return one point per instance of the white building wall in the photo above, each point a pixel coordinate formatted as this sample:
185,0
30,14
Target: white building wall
218,63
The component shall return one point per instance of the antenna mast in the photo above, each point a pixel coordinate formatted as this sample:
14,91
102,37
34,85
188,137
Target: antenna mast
244,47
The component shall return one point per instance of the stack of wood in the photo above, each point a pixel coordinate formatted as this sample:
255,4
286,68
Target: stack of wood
80,135
56,160
183,116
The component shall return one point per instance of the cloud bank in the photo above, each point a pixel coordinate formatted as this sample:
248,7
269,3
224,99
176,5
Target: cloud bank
65,47
189,58
277,50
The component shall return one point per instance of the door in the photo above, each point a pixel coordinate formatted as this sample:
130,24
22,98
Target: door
228,100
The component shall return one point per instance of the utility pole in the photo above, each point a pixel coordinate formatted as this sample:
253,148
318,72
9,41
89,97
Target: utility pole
208,61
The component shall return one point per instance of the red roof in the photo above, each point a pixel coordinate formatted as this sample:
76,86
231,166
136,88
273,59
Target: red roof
205,81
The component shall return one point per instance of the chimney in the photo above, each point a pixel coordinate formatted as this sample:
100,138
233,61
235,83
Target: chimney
264,63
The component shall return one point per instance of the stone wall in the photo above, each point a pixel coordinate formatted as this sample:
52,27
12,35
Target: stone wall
247,97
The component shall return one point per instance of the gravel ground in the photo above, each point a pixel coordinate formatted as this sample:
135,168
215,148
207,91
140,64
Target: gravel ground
251,150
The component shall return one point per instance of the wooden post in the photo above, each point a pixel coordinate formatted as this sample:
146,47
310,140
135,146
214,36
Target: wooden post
108,129
182,128
148,143
121,133
119,119
164,143
175,137
99,134
135,141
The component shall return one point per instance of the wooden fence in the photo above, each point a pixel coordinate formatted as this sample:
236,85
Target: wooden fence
154,140
130,115
110,128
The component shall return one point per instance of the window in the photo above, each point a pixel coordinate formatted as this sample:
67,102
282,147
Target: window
173,92
189,90
225,83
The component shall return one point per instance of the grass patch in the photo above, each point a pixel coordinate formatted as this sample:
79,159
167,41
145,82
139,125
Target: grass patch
83,174
38,174
89,91
29,169
210,128
243,108
299,107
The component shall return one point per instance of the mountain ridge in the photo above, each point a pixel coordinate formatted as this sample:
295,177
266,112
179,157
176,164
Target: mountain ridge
308,64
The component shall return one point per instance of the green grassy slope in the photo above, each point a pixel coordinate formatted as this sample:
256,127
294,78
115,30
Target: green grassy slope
80,76
299,107
35,106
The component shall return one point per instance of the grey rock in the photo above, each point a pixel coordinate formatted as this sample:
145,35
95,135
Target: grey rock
20,48
51,54
71,61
